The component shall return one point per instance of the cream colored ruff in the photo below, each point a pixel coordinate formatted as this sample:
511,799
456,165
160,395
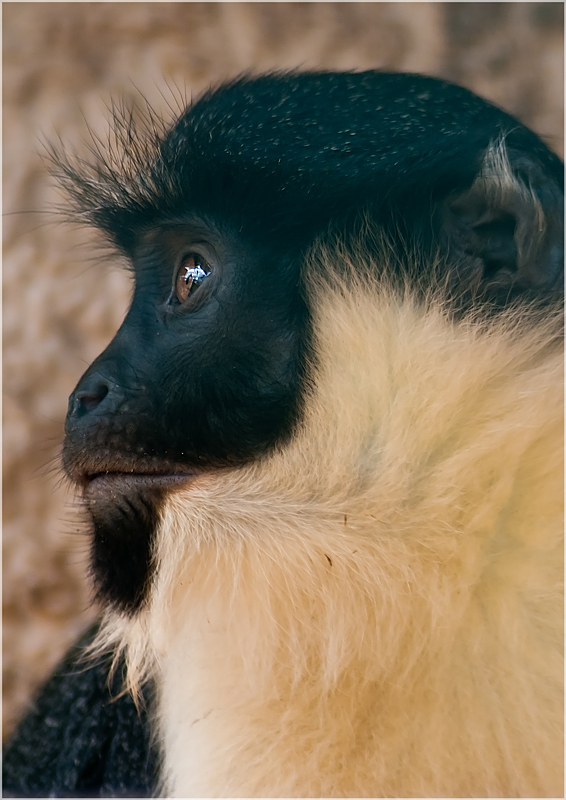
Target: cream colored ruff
376,609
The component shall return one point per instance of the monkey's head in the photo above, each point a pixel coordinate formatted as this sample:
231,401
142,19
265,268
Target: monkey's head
216,216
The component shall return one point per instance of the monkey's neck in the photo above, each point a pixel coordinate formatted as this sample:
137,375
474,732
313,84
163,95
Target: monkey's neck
376,594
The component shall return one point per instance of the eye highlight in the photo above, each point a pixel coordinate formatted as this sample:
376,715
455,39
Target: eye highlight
193,270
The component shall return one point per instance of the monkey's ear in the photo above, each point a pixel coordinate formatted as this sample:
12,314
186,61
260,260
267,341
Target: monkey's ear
505,235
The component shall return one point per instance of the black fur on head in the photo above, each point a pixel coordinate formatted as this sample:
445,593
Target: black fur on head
215,215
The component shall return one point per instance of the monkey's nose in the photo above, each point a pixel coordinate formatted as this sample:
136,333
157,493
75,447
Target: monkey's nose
85,400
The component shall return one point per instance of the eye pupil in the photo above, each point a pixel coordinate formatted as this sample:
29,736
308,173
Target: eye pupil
192,272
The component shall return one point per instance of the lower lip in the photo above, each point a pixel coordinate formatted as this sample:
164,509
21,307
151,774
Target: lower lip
108,482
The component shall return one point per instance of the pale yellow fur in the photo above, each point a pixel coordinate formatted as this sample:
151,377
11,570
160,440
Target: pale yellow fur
376,608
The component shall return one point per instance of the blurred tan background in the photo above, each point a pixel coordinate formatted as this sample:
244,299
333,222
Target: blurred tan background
62,64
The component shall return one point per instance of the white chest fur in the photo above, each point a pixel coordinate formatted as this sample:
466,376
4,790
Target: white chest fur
375,610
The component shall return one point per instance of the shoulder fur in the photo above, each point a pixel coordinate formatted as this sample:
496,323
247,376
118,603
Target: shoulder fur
376,609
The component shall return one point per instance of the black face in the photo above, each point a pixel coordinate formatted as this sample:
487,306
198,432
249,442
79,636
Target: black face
204,373
208,369
205,370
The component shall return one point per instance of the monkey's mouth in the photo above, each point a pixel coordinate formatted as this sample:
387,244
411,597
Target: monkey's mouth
108,483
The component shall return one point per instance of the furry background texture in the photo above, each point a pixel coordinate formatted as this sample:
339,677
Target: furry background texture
62,64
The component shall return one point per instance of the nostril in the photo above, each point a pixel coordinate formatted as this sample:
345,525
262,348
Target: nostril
86,401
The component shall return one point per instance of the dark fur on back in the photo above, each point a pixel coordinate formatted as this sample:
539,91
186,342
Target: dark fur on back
81,738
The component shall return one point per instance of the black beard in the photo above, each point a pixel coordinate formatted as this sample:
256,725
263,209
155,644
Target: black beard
124,511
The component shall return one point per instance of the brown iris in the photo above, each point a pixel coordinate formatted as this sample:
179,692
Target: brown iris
191,273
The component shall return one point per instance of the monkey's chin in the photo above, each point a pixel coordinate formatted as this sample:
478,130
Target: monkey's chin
124,510
107,484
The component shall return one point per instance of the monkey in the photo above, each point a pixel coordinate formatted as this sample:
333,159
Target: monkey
320,460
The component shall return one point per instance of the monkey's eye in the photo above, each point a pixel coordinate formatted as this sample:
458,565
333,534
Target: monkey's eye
191,273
